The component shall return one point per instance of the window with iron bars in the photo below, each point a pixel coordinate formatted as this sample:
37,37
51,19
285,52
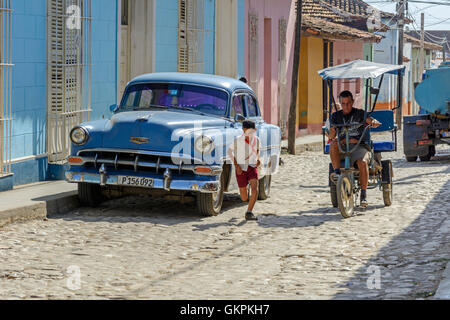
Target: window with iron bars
69,72
191,36
5,88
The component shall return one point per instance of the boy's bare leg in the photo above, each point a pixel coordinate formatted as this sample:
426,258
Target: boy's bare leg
244,194
254,194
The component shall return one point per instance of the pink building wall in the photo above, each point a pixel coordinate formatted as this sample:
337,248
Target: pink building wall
269,13
346,51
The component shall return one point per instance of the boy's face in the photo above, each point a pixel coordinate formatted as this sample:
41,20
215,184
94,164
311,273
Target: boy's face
248,131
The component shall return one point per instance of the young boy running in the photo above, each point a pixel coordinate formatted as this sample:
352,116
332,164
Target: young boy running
244,152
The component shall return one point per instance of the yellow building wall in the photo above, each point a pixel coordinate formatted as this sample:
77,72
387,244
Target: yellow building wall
309,101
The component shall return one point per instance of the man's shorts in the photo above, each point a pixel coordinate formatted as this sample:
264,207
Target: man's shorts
244,178
361,153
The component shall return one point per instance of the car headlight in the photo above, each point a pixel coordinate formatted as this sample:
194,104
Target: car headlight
79,135
204,144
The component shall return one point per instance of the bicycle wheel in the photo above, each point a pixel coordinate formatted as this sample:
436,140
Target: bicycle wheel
345,196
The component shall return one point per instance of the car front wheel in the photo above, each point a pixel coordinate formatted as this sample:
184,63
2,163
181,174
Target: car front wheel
210,204
90,194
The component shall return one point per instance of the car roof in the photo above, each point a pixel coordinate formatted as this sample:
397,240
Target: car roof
221,82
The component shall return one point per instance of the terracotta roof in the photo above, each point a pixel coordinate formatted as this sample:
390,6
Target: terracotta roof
434,36
355,7
427,45
348,8
352,13
320,9
334,31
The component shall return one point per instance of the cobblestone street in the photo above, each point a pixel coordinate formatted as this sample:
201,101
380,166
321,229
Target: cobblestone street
300,247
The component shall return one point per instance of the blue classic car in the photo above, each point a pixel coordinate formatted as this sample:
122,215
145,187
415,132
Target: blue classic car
169,136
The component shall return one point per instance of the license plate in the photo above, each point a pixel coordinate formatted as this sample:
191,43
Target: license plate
135,181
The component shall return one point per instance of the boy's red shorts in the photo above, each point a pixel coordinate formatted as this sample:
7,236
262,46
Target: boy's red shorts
244,178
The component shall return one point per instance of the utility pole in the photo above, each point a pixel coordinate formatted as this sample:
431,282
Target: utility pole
401,23
292,122
422,41
443,49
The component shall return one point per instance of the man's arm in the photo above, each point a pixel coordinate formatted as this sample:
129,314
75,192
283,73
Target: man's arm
333,132
374,123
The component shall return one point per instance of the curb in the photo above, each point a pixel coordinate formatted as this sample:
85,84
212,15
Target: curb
443,291
44,207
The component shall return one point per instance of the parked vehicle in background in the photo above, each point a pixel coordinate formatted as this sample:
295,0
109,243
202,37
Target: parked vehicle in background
423,132
169,136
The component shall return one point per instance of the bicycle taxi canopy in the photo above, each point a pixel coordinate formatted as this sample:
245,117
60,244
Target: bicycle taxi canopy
361,69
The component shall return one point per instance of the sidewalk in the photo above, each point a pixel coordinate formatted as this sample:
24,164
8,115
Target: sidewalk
37,201
305,143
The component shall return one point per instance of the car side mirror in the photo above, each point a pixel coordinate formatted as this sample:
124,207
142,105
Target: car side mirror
113,108
239,118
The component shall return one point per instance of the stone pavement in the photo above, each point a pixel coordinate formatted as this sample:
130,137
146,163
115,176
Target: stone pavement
300,247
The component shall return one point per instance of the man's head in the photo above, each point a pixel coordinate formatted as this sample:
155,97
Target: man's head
248,127
346,100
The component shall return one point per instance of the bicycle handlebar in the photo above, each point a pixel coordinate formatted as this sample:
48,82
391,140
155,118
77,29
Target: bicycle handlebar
359,141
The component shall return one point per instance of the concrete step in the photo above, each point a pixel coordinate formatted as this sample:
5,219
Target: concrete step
37,201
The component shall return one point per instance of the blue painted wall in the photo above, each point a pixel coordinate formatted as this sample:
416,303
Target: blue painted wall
29,97
166,29
209,25
104,57
29,80
166,32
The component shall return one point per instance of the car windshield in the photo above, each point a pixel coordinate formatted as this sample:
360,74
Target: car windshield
175,96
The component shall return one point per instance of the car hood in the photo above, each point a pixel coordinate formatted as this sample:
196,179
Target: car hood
158,130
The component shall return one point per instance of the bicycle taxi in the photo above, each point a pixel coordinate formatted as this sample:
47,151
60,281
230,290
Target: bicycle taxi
345,187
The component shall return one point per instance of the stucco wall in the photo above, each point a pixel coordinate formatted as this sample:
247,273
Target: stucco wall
386,52
310,99
104,57
29,99
346,51
166,33
273,10
29,80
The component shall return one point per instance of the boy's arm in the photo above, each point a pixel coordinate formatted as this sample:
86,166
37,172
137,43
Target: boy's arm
233,159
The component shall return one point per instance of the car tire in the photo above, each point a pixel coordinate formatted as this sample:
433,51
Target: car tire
431,153
333,194
210,204
90,194
264,187
411,158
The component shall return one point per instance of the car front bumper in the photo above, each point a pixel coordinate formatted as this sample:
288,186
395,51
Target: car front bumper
158,183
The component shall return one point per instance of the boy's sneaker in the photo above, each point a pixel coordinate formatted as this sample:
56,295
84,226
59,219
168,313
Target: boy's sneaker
364,202
250,216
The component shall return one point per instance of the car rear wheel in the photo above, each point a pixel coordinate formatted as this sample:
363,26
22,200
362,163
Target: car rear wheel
333,194
264,185
210,204
411,158
90,194
431,153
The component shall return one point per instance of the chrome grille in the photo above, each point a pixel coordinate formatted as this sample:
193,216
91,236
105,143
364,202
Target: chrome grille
136,160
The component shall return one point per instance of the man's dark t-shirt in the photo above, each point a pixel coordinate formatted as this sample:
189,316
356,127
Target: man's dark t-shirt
356,115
